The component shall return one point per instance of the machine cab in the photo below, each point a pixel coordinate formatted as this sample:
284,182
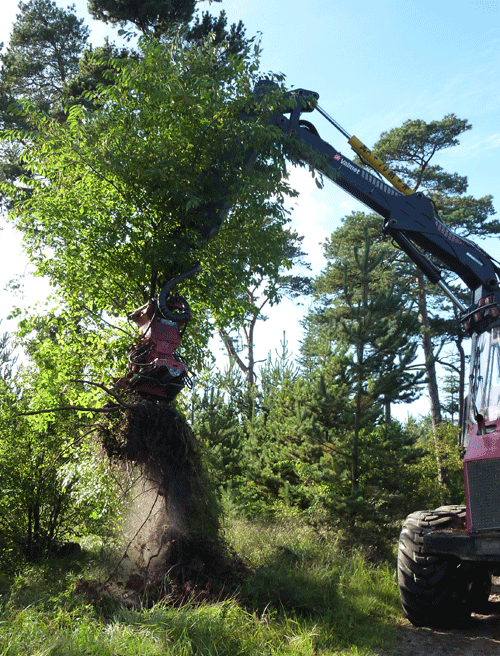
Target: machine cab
484,392
482,439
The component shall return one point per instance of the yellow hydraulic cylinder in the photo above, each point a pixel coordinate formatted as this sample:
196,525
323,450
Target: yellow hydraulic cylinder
364,152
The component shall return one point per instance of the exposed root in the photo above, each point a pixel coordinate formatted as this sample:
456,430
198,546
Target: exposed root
174,549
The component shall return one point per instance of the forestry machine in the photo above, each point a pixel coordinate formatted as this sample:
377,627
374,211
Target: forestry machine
446,556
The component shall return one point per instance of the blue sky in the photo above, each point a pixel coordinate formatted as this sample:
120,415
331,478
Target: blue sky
375,64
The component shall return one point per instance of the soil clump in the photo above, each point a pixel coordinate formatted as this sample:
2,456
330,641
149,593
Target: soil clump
174,546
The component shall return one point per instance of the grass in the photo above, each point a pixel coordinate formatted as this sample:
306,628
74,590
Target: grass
304,596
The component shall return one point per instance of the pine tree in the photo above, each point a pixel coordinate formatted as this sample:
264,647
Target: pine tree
158,18
372,322
42,57
410,150
43,54
151,17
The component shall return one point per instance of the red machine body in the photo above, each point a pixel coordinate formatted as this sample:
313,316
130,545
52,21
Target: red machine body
482,459
482,480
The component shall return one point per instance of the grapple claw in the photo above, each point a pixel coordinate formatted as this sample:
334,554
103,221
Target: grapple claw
155,369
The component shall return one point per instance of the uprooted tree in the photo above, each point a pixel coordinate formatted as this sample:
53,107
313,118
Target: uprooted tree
119,198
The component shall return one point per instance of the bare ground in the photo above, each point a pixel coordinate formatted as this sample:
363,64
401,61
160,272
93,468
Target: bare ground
481,637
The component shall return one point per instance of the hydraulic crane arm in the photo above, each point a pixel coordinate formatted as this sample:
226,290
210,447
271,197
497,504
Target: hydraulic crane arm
357,181
409,218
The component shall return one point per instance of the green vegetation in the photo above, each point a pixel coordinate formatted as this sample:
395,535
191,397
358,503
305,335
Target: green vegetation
289,443
303,595
121,168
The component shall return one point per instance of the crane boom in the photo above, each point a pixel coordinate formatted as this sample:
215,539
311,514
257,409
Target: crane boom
410,218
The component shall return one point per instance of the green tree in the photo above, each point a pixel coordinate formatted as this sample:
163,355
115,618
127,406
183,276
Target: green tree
41,58
361,297
8,359
135,187
233,39
151,17
296,453
376,326
43,54
157,19
265,292
54,483
305,438
410,150
280,461
214,416
428,491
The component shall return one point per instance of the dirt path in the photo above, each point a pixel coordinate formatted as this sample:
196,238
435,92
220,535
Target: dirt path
480,638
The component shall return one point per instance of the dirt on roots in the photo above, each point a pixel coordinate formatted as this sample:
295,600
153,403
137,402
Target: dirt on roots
174,549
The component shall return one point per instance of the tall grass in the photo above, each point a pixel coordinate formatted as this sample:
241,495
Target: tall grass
303,596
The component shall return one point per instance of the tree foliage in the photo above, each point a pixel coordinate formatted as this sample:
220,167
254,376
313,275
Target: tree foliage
362,304
124,196
294,453
41,59
44,50
411,147
267,291
123,169
55,485
411,150
151,17
368,317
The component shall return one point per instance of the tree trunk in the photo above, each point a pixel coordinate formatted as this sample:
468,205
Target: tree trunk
228,343
432,385
250,348
355,451
387,412
357,422
430,363
461,383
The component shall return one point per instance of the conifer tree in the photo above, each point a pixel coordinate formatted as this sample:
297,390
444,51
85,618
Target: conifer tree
157,18
43,53
376,329
151,17
42,56
410,151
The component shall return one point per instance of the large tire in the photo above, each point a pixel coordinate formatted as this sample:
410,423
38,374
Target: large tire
478,574
435,590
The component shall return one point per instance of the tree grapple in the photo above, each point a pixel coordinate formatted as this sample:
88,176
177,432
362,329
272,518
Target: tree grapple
155,367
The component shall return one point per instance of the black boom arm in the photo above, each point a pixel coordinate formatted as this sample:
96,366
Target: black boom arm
409,218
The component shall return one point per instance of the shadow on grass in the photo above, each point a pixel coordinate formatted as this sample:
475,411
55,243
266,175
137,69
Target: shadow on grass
348,604
298,598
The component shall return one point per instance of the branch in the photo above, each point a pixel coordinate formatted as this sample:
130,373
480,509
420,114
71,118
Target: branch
259,307
129,406
329,447
81,408
97,317
58,408
228,343
449,365
68,446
